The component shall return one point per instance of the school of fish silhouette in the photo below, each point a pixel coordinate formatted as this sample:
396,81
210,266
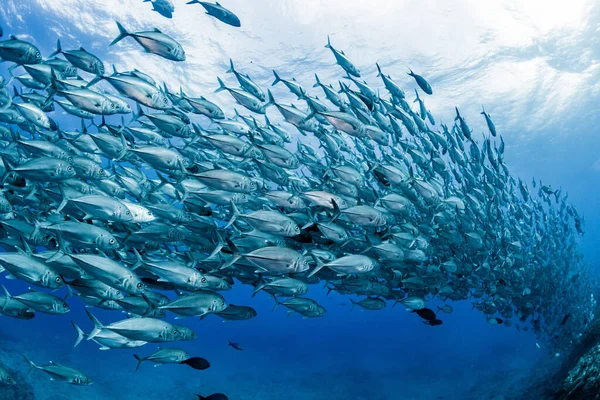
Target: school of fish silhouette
167,212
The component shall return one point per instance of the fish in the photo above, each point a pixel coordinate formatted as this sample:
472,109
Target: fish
219,12
62,373
19,52
198,363
163,202
154,42
236,346
81,59
214,396
342,60
163,7
423,84
163,356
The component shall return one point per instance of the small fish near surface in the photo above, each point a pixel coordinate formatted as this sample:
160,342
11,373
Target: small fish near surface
154,42
219,12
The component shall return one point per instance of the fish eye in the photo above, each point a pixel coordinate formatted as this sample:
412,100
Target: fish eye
69,168
139,285
111,241
175,332
65,305
203,280
57,279
128,212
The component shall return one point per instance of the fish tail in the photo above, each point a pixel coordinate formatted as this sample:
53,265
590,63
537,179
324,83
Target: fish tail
457,114
277,78
31,364
140,360
236,254
8,166
221,86
277,302
97,325
261,285
482,110
80,334
319,266
58,49
318,81
96,79
231,69
379,73
7,295
236,214
122,34
137,115
271,99
328,45
353,304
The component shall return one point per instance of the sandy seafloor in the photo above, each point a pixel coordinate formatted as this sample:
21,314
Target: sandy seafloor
358,355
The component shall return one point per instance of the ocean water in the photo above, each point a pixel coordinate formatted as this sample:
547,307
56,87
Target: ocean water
533,66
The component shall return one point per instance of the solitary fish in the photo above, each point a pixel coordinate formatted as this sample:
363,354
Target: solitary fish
154,42
61,373
236,346
164,356
219,12
423,84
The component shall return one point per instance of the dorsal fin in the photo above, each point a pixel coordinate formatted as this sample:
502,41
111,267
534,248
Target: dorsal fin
157,30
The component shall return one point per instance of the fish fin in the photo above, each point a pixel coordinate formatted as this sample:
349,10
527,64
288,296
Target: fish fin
7,295
379,73
58,49
140,360
319,266
231,69
31,365
97,325
235,257
353,304
277,78
221,86
318,83
80,334
236,214
122,34
271,99
328,45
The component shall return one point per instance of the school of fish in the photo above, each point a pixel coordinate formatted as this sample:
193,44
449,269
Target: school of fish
359,191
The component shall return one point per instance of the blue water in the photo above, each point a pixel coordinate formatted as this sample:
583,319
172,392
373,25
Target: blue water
534,68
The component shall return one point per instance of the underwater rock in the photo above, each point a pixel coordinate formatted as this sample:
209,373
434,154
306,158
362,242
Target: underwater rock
581,371
583,381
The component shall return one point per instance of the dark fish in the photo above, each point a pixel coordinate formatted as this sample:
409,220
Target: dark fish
426,313
236,346
216,396
565,319
434,322
197,363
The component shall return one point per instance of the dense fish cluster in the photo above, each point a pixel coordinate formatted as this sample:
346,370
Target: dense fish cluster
166,211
